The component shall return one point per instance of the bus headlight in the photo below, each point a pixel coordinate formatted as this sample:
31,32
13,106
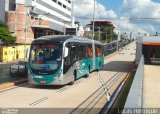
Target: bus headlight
59,74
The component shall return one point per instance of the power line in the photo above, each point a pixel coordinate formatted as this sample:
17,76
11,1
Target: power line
134,18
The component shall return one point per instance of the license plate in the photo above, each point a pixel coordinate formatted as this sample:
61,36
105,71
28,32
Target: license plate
42,82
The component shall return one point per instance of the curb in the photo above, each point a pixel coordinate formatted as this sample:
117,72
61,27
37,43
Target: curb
12,84
6,85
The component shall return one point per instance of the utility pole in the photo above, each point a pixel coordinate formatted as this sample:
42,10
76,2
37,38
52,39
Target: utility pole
93,20
111,35
16,22
64,31
118,39
26,27
106,34
99,35
72,13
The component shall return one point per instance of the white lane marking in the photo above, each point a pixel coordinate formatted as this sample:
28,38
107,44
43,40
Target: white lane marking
38,101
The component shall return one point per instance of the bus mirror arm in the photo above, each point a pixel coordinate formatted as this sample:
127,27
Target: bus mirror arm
66,52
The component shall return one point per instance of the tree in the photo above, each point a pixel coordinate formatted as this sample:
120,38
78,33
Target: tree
108,34
96,35
2,25
5,34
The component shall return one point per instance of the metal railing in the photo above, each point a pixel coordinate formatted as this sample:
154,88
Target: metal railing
135,96
5,74
112,47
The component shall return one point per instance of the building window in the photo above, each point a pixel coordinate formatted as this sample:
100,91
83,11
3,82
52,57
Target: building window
59,3
54,1
64,6
69,1
32,17
69,9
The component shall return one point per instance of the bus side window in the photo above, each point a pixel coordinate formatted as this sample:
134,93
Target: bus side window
102,50
98,51
89,51
78,53
84,51
67,60
73,53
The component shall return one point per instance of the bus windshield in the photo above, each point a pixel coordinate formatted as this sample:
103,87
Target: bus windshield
45,58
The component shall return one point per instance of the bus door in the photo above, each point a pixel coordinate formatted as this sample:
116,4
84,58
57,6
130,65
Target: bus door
81,60
90,57
68,67
98,55
75,63
94,57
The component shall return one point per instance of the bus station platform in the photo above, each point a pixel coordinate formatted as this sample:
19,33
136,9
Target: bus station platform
145,89
151,92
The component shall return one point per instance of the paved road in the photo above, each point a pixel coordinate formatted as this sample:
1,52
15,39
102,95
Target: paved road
86,95
151,86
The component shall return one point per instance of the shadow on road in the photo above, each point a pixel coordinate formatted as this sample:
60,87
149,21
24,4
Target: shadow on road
50,87
118,66
115,66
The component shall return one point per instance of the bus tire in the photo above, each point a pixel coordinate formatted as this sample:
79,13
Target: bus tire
100,65
87,75
89,69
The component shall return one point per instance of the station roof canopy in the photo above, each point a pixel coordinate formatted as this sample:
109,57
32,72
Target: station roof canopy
151,40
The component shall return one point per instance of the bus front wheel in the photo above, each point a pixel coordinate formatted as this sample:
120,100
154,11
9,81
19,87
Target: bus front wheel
87,75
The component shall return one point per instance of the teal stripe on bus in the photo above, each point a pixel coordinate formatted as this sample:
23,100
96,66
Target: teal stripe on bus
47,78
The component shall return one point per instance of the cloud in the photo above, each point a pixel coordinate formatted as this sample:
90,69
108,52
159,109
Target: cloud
144,13
135,9
83,11
124,25
141,9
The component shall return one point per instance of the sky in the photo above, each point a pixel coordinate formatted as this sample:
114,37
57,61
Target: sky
126,15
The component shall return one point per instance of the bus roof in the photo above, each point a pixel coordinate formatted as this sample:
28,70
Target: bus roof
63,38
52,38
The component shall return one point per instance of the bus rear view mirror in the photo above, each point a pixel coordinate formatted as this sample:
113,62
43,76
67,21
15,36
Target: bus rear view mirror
66,52
27,52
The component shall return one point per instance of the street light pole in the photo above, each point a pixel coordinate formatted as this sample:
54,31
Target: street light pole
118,39
26,29
26,25
64,28
72,13
99,35
93,20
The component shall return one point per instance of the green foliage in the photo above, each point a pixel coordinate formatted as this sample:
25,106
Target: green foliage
2,25
5,34
108,35
96,36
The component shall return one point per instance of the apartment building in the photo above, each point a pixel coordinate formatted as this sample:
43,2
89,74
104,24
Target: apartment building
29,19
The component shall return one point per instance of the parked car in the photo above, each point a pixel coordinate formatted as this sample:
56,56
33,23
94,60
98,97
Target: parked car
19,69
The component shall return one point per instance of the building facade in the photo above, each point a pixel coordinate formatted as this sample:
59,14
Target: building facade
29,19
102,24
